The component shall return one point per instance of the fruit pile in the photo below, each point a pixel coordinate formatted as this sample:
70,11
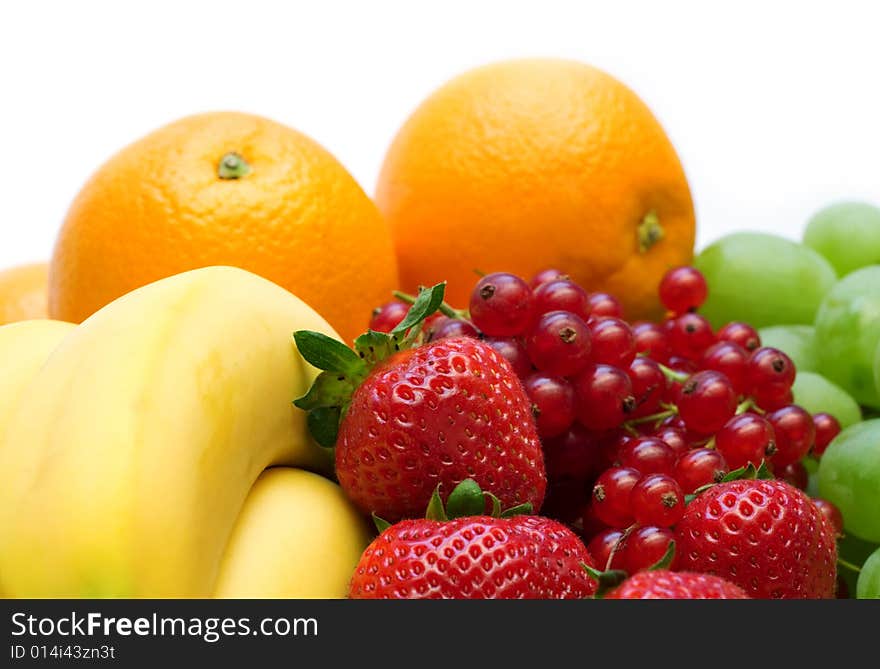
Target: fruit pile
819,302
644,427
632,422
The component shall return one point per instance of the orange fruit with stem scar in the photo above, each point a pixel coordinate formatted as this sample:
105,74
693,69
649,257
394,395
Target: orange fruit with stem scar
528,164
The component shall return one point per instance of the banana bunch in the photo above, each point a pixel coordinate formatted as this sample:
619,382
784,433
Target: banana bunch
153,450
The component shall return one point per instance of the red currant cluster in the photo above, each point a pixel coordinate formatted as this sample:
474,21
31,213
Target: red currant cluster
634,417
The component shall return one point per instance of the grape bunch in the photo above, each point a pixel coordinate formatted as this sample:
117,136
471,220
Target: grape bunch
636,417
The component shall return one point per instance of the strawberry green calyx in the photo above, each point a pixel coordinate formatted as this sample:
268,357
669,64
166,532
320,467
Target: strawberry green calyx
344,369
466,499
747,472
445,308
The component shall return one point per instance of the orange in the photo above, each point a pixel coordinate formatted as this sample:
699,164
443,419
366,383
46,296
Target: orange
23,293
225,189
524,165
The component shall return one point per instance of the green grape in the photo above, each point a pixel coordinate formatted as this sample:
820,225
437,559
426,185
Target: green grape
849,476
796,341
815,393
847,234
853,551
763,280
877,369
848,331
869,580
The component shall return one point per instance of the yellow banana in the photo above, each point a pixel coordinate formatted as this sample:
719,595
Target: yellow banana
298,536
128,457
24,347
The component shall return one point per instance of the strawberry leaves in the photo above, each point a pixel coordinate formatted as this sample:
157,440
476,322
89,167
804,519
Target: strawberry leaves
466,499
748,472
427,302
344,369
327,353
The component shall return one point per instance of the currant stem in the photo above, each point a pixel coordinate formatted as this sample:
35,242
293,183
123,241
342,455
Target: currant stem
618,545
849,565
650,419
630,430
445,308
748,404
672,375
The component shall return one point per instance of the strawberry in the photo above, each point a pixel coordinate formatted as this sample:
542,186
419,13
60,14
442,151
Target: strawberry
404,416
452,554
664,584
764,535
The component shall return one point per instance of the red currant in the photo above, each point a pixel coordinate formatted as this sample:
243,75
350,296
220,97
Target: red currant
794,432
645,547
679,364
552,400
577,454
559,344
611,496
674,437
683,289
648,384
562,295
741,334
603,397
657,499
689,335
731,360
771,398
502,305
388,316
745,438
546,275
647,455
650,340
613,441
674,421
770,369
445,327
514,352
603,304
796,474
612,342
607,548
832,514
706,402
827,427
700,467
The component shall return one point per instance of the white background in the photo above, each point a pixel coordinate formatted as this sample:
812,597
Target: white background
774,107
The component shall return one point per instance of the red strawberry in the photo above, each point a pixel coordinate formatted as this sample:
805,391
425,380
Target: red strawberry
764,535
473,557
664,584
413,418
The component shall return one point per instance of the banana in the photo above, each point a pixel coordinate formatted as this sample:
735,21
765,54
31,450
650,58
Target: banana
24,347
128,457
297,536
